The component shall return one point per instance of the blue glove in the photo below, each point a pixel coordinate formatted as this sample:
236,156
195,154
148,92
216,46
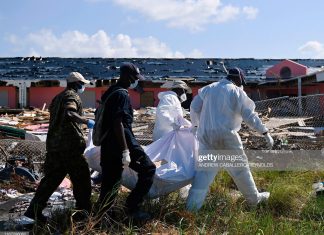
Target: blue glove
90,123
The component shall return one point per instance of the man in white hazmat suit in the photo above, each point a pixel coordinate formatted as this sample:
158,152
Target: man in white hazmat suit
169,113
218,111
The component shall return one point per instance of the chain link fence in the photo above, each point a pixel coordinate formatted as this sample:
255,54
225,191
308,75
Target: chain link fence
15,148
143,132
294,121
298,122
25,153
290,118
305,106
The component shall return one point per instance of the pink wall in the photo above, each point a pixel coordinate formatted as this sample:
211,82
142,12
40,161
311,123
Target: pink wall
40,95
321,88
311,90
12,95
293,91
136,97
296,69
99,91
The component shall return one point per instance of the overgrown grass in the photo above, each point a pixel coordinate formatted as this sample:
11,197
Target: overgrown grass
293,208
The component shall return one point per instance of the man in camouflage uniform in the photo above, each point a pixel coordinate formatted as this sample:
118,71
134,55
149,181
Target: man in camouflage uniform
65,145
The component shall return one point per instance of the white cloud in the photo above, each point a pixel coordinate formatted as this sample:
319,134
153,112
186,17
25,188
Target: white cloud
188,14
147,46
313,49
78,44
250,12
226,14
195,54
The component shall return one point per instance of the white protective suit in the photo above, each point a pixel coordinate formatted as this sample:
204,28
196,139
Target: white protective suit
168,112
218,110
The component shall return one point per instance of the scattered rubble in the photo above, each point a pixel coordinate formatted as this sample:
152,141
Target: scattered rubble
293,133
32,122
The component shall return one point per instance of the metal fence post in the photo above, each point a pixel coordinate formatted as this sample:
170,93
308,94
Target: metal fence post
300,107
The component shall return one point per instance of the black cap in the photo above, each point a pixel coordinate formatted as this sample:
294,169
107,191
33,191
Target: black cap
131,70
235,73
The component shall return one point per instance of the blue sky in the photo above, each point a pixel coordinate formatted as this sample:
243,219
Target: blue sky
162,28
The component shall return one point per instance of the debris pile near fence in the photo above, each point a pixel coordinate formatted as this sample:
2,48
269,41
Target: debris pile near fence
295,122
33,122
290,130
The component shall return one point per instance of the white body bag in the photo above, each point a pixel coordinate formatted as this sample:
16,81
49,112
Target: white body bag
173,155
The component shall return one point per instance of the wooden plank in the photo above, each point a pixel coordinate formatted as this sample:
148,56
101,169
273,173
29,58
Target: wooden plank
140,128
301,122
277,122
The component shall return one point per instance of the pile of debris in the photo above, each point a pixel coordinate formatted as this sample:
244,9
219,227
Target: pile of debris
29,124
289,133
24,124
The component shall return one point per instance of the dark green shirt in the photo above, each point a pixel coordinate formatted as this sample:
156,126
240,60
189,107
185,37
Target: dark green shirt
65,135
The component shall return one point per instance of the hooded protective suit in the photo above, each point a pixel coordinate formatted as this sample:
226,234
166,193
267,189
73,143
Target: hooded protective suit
169,115
218,110
168,112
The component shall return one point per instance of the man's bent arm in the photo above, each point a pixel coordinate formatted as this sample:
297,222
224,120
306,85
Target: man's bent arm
119,132
75,117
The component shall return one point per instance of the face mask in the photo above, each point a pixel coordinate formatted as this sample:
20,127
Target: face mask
134,84
183,97
81,90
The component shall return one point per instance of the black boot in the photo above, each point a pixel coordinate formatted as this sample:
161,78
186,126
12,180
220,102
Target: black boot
36,214
137,214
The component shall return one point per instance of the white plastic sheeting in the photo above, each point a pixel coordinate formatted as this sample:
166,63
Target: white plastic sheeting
173,155
92,154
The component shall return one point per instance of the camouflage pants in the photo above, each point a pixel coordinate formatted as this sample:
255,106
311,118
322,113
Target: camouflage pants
57,166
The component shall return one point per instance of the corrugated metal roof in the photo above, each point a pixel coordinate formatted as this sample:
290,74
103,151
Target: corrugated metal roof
153,69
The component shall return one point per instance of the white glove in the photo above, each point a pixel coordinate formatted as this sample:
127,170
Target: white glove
126,158
175,126
269,140
193,130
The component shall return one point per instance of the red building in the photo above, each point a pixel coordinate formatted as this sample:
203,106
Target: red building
289,78
286,78
286,69
8,95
